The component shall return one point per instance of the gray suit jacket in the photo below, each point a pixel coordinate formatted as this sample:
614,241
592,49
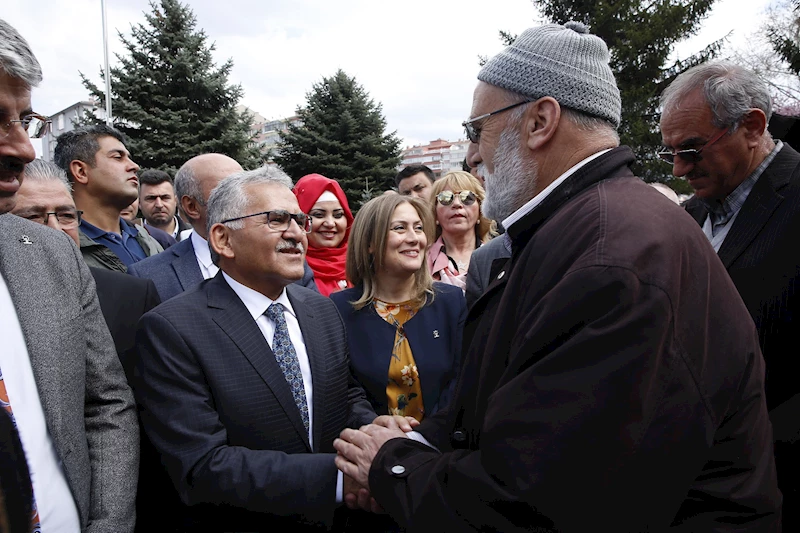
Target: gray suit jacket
87,403
175,270
479,274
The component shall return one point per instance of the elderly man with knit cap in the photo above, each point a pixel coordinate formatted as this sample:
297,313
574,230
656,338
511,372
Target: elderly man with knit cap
612,377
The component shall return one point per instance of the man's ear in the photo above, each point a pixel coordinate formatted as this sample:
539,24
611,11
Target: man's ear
219,237
79,171
189,206
754,123
541,122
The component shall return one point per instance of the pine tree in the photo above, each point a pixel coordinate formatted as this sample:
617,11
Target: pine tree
341,136
640,36
169,98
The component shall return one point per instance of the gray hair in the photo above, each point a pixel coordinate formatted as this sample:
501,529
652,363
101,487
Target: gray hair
583,121
40,170
730,91
229,199
186,184
16,58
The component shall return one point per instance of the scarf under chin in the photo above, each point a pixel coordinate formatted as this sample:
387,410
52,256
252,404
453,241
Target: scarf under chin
328,265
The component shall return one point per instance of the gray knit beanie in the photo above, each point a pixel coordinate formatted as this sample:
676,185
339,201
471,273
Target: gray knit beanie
565,62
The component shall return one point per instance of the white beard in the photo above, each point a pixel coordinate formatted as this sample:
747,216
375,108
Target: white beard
513,181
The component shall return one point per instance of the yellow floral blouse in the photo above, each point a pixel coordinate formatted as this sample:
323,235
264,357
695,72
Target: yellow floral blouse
403,388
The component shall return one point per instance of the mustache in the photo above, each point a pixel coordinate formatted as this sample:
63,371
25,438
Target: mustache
289,245
11,164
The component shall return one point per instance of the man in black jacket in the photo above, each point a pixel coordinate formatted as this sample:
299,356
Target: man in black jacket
747,201
596,391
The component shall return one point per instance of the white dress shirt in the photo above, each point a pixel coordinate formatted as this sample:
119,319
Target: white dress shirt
203,255
57,510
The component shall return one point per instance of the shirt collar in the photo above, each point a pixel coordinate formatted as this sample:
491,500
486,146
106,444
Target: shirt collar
201,249
177,228
721,211
93,232
539,198
255,302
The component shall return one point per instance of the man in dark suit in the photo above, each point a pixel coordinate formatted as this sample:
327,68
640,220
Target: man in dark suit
66,388
747,200
183,266
595,387
244,380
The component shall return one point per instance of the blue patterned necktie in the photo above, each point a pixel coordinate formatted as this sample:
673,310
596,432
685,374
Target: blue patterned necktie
287,359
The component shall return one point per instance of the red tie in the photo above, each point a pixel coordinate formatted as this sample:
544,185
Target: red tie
6,404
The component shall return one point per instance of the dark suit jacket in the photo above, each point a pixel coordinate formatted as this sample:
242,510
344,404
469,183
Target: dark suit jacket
175,270
762,256
434,334
123,300
597,392
483,263
217,406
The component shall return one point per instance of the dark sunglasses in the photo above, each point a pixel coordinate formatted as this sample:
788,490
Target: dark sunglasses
466,197
690,155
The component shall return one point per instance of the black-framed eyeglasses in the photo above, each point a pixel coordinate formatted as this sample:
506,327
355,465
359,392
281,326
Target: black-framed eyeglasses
67,218
39,122
473,133
690,155
447,197
278,220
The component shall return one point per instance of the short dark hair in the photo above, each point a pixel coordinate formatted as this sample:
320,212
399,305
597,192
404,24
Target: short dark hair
154,177
81,144
410,170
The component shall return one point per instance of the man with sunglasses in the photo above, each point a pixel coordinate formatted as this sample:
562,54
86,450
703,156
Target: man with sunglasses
244,380
595,389
747,200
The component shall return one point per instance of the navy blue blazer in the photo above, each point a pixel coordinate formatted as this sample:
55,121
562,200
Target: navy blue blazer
175,270
216,405
434,334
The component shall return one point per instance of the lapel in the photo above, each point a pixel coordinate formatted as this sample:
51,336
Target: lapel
697,210
185,265
316,358
762,201
230,314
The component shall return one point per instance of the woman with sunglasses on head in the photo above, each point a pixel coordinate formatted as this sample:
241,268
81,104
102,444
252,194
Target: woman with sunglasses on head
403,329
325,202
460,226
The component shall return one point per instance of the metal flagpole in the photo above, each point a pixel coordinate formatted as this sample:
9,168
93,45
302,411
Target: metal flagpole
107,73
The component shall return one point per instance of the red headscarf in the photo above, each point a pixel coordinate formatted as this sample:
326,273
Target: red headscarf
328,264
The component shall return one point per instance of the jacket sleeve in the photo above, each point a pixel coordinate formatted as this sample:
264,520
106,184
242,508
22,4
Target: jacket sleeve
112,431
179,414
584,398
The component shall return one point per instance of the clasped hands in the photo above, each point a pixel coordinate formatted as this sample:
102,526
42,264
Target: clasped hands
356,450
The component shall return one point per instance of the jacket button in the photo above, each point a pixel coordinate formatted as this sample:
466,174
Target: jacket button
501,274
459,435
398,470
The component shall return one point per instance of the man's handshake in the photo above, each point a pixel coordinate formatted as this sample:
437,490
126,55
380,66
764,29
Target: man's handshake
356,450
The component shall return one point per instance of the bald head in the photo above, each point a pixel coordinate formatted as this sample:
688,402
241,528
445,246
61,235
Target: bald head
194,182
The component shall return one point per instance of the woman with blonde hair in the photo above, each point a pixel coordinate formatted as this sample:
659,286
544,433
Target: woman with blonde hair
460,226
404,330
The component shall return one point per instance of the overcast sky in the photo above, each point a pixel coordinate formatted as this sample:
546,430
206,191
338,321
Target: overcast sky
419,58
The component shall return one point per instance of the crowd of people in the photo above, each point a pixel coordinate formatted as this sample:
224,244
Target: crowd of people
540,342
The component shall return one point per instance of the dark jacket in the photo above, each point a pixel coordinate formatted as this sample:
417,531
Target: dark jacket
100,256
612,379
227,428
434,335
762,256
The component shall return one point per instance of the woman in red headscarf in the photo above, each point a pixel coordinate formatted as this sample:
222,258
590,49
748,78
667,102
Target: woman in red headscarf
324,200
